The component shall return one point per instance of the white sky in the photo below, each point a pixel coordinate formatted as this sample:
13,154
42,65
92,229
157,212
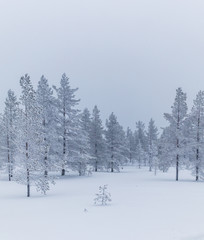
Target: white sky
126,56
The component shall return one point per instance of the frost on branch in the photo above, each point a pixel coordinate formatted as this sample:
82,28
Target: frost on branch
103,196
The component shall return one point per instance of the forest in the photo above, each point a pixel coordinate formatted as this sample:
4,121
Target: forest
45,135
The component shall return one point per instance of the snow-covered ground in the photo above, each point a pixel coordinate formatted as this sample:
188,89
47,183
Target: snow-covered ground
144,207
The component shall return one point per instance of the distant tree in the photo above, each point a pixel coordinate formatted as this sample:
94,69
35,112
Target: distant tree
86,120
79,158
152,136
165,150
141,138
141,155
97,141
131,152
115,137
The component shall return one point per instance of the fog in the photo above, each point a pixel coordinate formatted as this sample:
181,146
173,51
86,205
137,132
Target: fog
125,56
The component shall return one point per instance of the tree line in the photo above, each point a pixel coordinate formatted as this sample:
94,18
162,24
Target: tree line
44,132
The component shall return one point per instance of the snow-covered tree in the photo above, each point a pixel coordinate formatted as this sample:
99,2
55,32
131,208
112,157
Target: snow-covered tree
176,120
196,136
45,100
141,138
165,148
131,151
141,155
86,120
9,133
30,145
115,139
103,196
97,141
79,158
67,120
152,135
141,134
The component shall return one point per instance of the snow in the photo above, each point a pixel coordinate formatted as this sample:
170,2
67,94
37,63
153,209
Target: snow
143,207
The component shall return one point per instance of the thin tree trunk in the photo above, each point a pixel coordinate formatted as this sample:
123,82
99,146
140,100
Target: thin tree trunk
177,167
112,170
197,168
9,160
64,144
155,170
150,164
139,163
46,152
11,168
28,183
197,151
177,161
112,157
96,166
28,173
46,165
96,153
63,172
64,153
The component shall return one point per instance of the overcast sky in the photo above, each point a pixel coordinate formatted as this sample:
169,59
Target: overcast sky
126,56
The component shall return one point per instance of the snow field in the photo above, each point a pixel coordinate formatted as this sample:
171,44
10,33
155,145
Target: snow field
143,207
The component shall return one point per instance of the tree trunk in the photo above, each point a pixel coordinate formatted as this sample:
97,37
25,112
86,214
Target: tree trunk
177,158
46,173
96,166
63,172
197,177
11,168
28,183
28,173
46,167
139,163
197,168
177,167
112,170
9,160
96,154
155,170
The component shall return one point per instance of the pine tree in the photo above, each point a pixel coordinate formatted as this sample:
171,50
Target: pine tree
152,135
115,137
30,146
45,100
196,136
176,120
141,135
141,155
9,119
86,120
97,140
165,150
66,119
79,158
103,196
141,138
131,150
